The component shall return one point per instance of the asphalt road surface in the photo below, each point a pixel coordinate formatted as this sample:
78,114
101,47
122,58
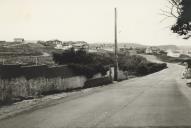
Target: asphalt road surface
151,101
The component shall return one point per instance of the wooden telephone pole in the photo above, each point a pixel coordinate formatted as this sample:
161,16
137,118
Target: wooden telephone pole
116,50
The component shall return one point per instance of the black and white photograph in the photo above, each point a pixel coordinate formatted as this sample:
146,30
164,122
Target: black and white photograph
95,63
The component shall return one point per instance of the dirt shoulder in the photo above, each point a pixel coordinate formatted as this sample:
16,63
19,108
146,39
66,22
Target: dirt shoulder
28,105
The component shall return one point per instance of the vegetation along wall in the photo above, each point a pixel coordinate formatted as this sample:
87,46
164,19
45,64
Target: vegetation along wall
18,81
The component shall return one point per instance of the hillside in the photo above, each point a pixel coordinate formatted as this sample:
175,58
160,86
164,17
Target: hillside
15,49
187,47
110,45
166,47
133,45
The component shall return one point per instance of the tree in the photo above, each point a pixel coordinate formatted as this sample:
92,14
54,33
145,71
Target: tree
183,23
181,10
174,10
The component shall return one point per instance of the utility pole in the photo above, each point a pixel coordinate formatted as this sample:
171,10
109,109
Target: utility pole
3,61
116,50
36,61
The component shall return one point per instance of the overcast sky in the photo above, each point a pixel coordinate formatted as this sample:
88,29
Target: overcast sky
88,20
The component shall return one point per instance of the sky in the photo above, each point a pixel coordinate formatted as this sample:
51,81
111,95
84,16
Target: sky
139,21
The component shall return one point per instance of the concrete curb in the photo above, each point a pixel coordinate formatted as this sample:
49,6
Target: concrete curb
40,103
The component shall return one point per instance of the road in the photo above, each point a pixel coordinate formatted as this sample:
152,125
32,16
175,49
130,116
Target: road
151,101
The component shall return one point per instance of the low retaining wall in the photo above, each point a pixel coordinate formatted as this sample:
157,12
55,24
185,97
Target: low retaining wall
21,87
97,82
16,84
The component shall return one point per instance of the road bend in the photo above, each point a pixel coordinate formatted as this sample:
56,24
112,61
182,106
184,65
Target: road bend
151,101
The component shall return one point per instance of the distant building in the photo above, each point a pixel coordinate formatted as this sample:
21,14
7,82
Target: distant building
140,50
132,52
152,50
173,53
128,51
2,41
63,47
163,52
80,46
31,41
19,40
54,42
148,51
188,53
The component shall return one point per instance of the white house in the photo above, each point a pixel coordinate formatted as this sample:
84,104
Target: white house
188,53
55,42
63,47
152,50
80,46
19,40
148,50
175,53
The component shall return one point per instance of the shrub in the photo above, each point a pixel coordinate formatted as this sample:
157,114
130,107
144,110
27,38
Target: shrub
142,70
154,67
72,56
170,59
131,63
83,63
89,64
97,82
88,70
139,65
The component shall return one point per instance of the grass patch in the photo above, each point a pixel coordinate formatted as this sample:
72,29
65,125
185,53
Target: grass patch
83,63
169,59
139,66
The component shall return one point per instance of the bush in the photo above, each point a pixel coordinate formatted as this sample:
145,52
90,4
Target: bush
142,70
131,63
72,56
155,67
89,64
83,63
88,70
170,59
138,65
97,82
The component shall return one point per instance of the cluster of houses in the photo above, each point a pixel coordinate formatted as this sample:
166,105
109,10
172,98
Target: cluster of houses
152,50
78,45
81,45
57,44
156,51
64,45
168,52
